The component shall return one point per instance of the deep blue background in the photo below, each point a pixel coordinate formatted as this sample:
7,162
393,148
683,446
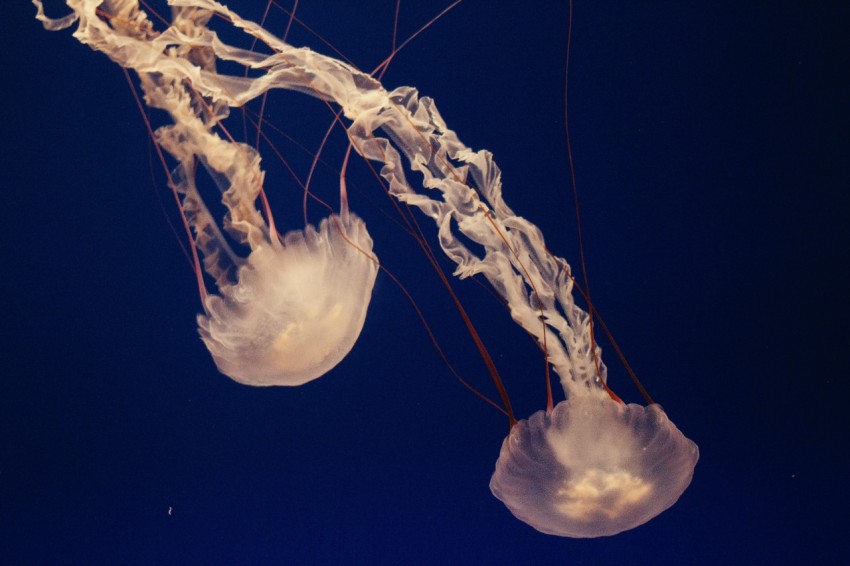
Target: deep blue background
710,141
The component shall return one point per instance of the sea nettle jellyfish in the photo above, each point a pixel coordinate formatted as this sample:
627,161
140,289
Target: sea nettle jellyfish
293,308
590,466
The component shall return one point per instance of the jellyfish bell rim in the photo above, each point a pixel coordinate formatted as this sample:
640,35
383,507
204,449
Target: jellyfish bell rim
593,467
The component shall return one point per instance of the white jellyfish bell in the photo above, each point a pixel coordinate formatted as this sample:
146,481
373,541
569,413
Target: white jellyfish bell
593,467
297,308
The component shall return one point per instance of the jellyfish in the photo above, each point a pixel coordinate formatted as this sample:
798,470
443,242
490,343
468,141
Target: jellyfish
294,307
589,466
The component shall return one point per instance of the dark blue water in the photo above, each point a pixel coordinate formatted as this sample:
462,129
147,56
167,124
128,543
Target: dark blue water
710,148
